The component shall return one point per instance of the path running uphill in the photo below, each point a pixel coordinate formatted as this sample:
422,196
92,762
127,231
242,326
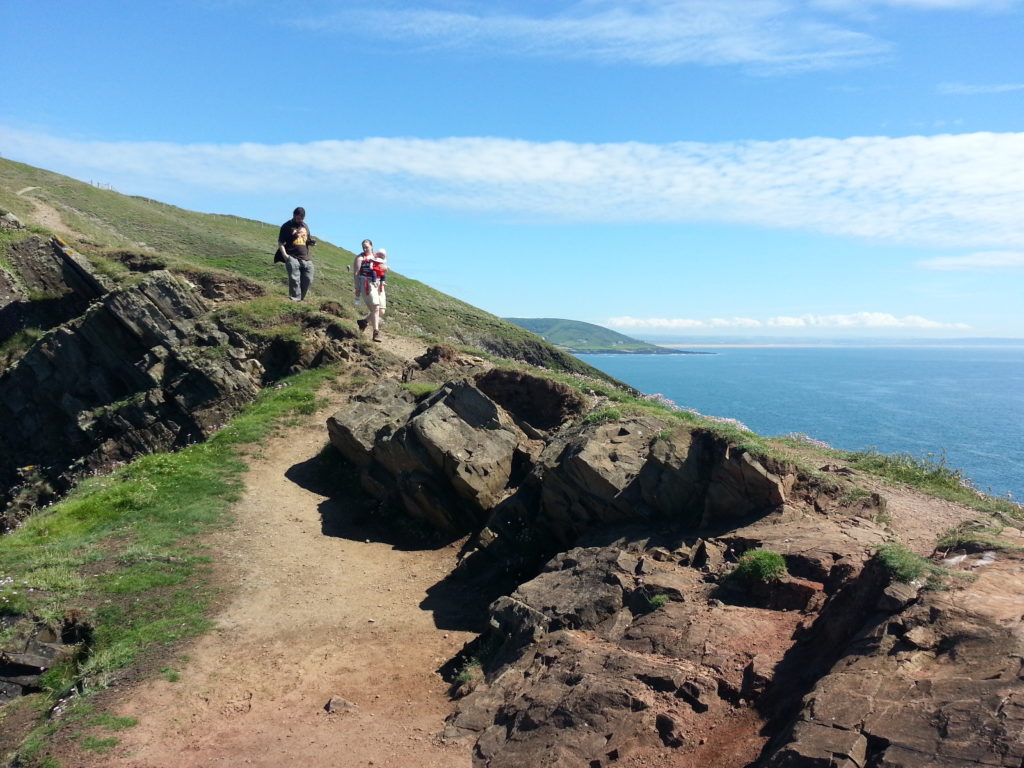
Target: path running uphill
318,608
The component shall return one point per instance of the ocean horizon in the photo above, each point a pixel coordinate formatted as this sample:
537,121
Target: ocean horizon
959,403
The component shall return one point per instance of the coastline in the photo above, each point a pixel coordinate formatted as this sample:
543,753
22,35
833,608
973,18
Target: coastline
955,403
662,350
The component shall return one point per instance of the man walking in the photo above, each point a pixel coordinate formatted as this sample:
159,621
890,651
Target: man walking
295,240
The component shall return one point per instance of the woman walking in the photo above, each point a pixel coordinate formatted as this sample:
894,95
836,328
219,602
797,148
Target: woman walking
370,273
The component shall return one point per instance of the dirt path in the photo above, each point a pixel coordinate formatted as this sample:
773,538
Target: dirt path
320,608
45,215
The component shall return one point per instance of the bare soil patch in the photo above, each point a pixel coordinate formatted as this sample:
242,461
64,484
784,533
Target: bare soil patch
917,519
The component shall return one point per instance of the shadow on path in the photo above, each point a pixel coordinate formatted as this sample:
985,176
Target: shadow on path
458,602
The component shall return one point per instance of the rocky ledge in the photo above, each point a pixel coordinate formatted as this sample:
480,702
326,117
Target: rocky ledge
622,637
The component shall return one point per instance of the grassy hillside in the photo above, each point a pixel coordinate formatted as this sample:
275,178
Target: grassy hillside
104,225
576,336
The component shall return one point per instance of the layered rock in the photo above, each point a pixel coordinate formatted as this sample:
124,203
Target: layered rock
21,670
582,668
129,376
939,684
635,647
49,283
514,468
447,460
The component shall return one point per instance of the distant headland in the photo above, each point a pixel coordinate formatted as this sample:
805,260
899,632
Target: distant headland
586,338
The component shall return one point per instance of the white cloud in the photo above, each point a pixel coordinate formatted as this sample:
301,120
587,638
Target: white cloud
653,322
984,261
962,191
765,34
861,320
855,320
962,89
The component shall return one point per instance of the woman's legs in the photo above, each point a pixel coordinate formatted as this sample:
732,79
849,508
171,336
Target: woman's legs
375,321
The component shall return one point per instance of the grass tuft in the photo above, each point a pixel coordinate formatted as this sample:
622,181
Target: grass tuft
759,566
932,475
657,601
603,416
420,389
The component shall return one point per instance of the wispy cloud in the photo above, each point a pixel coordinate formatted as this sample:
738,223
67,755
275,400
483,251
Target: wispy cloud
764,34
854,320
962,89
859,6
962,191
985,261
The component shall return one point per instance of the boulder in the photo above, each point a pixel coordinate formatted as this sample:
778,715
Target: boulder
739,485
586,475
571,701
373,415
9,221
584,650
446,460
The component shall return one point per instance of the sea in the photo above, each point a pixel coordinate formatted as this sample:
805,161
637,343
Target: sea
962,405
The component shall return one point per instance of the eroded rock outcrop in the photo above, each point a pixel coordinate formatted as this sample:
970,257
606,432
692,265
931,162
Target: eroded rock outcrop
583,667
141,368
447,460
631,645
528,479
135,374
23,663
939,684
633,648
49,283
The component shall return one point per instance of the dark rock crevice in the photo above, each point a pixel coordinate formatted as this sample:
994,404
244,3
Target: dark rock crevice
48,284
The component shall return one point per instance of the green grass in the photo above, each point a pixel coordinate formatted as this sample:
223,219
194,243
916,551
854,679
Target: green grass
657,601
902,564
602,416
469,670
932,475
485,650
908,567
99,745
420,389
759,566
976,534
124,552
14,596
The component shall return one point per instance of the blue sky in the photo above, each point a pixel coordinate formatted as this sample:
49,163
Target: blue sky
788,168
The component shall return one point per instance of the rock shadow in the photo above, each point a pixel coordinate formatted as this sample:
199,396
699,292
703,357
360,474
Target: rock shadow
459,602
350,513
